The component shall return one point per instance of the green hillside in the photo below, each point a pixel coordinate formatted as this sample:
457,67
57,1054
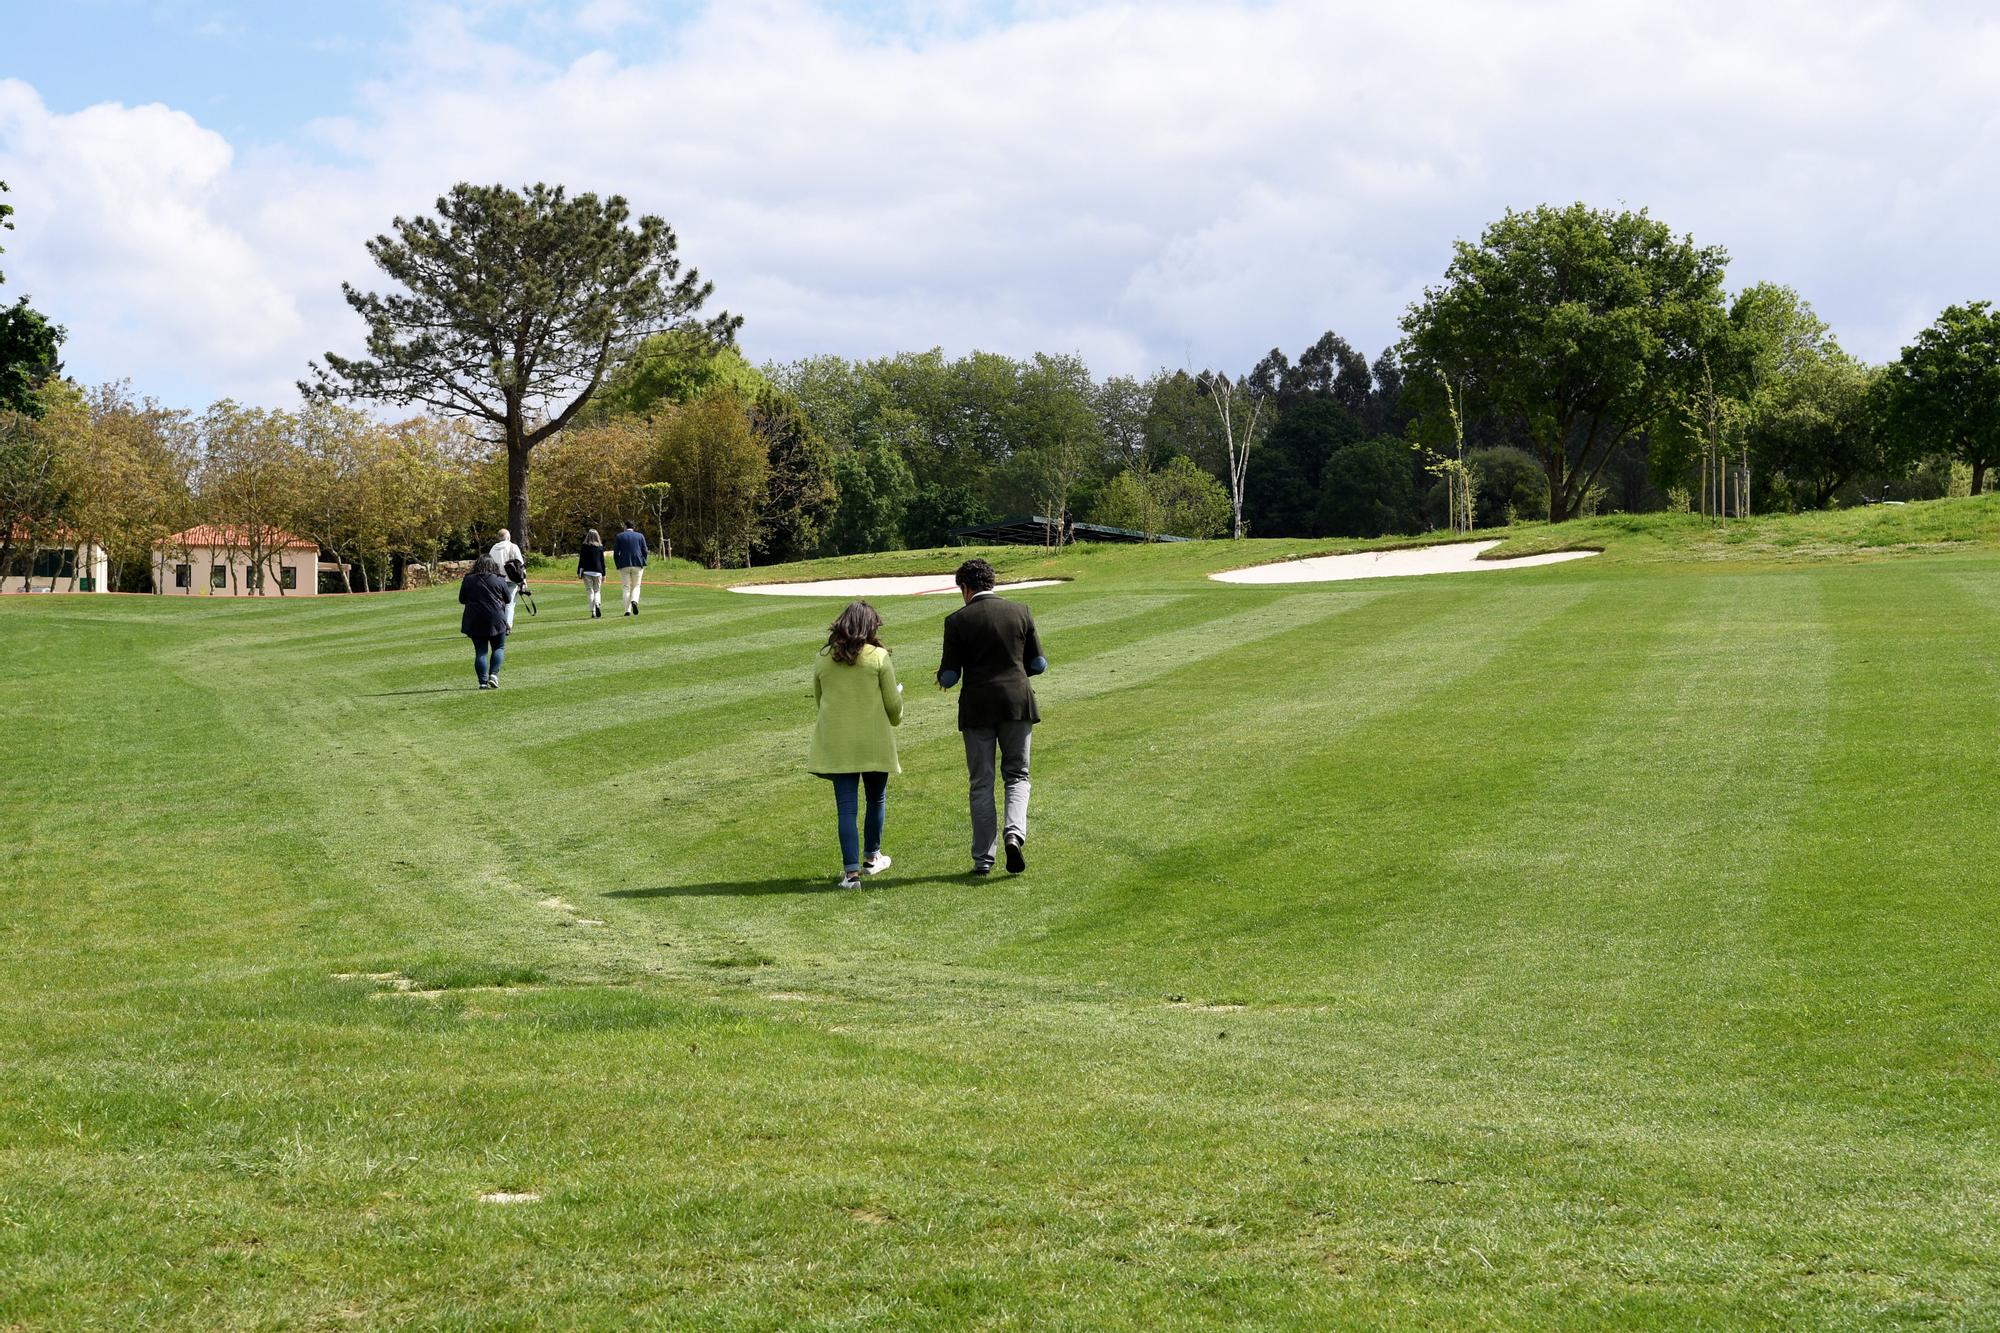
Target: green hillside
1601,944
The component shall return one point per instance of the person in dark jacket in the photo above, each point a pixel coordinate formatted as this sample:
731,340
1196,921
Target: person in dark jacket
628,548
484,594
590,568
990,650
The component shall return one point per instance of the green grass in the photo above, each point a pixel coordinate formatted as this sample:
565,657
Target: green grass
1604,944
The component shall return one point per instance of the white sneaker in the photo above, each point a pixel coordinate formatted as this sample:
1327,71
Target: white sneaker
877,864
852,880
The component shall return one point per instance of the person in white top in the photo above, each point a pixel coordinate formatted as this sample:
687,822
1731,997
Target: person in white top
503,551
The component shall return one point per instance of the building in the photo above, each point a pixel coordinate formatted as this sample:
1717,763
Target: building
218,562
55,565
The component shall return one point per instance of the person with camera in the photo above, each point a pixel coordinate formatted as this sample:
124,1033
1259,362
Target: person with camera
853,741
512,566
990,650
485,595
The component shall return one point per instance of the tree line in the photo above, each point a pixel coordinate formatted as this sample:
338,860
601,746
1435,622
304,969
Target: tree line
1569,361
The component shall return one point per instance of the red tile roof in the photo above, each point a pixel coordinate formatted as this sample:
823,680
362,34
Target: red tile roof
212,535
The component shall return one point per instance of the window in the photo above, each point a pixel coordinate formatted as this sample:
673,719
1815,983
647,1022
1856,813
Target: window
53,564
218,576
288,577
183,576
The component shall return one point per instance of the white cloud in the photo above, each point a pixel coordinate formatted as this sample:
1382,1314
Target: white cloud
1143,183
123,237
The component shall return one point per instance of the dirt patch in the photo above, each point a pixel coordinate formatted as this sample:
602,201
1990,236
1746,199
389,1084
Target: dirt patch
395,982
511,1196
871,1216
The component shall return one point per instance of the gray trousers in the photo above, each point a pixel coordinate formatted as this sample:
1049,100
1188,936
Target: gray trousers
1012,739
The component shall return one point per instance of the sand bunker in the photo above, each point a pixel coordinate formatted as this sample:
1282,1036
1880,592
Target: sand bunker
1451,558
914,585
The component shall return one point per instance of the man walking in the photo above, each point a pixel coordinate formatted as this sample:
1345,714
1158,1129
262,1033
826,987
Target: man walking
628,550
991,646
513,568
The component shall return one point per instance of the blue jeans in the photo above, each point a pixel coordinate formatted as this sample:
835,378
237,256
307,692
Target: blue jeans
846,796
497,647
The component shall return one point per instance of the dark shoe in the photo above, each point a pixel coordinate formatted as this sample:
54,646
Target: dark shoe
1016,862
635,608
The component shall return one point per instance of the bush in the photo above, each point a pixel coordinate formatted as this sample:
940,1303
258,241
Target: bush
1512,487
1179,500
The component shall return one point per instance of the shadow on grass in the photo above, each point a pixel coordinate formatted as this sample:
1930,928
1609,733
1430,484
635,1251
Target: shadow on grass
434,689
757,888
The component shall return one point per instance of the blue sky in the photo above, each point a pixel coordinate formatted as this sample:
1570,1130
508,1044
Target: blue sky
259,72
1150,184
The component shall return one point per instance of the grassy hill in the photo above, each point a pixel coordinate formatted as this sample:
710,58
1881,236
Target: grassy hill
1602,944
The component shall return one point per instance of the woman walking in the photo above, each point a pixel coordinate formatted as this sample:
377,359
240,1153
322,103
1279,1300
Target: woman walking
590,568
854,683
484,594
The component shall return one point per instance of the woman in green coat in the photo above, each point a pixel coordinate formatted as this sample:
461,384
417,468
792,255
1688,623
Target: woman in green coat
853,742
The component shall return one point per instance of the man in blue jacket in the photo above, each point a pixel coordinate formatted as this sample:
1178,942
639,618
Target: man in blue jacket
628,550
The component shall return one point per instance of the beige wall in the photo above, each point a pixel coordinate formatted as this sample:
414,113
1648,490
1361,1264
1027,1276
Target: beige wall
203,561
91,563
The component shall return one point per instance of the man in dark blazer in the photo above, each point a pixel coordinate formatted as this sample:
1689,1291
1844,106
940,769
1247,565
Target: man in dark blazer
628,551
991,647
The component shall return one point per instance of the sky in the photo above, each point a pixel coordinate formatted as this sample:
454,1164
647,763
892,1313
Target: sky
1149,185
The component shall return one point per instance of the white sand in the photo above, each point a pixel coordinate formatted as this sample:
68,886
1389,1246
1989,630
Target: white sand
914,585
1451,558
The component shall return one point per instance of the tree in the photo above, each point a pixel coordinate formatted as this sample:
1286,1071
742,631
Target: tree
1817,428
671,368
512,306
800,495
28,345
1179,500
1191,502
1121,403
34,444
718,468
1179,423
1508,486
589,477
330,456
1460,479
423,478
875,487
250,486
1054,468
1716,421
1127,501
1369,491
657,496
1581,327
1943,394
1281,496
1237,411
128,477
